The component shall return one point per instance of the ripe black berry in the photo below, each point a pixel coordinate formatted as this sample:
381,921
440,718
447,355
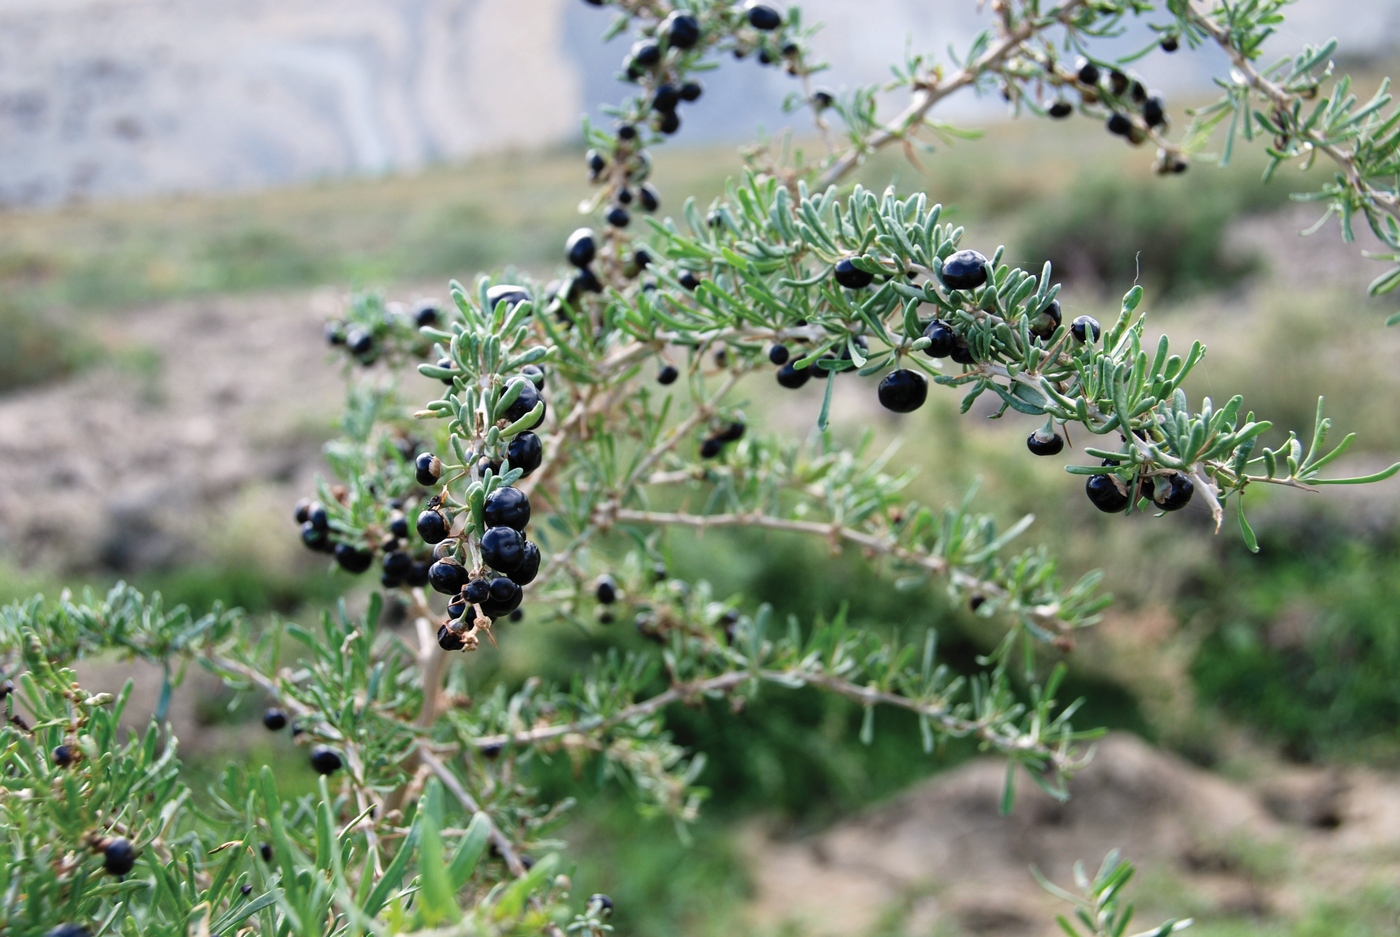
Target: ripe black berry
1119,124
458,606
965,270
606,590
447,577
1178,493
525,452
667,374
711,448
433,526
761,16
476,591
517,614
648,198
581,247
503,598
316,538
585,281
503,549
596,161
275,720
507,293
507,507
529,397
732,433
353,559
688,280
118,856
691,91
428,468
1044,324
603,903
1154,111
69,930
682,31
302,511
316,516
778,354
627,132
942,341
447,365
398,525
426,314
619,217
1083,328
1170,43
534,373
1060,110
646,54
791,378
903,391
448,639
669,123
1104,494
325,760
62,755
1088,72
529,566
962,354
666,99
264,849
359,341
822,99
1039,444
1117,81
852,277
397,564
418,575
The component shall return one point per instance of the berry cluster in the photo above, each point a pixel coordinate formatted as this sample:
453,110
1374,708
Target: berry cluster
1169,491
324,759
400,566
1134,113
371,328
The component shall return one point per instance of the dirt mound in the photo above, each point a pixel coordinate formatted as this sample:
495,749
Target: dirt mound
941,856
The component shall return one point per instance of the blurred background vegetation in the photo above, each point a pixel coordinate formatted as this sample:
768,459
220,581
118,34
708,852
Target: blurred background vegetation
1291,652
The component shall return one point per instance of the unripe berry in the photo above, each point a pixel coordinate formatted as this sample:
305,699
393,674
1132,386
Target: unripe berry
507,507
850,276
965,270
275,720
118,856
325,760
1040,444
903,391
503,549
525,452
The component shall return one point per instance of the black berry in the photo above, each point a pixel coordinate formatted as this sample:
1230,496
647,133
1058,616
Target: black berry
534,373
62,755
669,123
359,341
682,31
1170,43
688,280
822,99
603,903
264,849
605,590
69,930
585,281
667,374
627,132
506,293
1104,494
507,507
1119,124
646,54
426,314
965,270
732,433
325,760
529,566
397,564
447,577
691,91
418,576
1154,111
458,606
353,559
903,391
529,397
275,720
316,538
1177,495
1088,72
302,511
962,354
525,452
581,247
778,354
711,448
1117,81
503,549
118,856
1085,329
648,197
942,341
761,16
476,591
1038,444
1044,324
448,639
852,277
596,161
666,99
503,598
792,378
316,516
398,525
517,614
428,469
245,890
1060,110
447,365
619,217
433,526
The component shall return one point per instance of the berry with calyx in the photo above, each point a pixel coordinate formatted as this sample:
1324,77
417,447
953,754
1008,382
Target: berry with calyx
711,448
447,576
458,606
618,217
903,391
688,280
503,597
666,99
507,507
965,270
274,719
325,760
597,162
316,538
428,469
118,855
1105,494
352,559
691,91
1044,325
1060,110
433,526
581,247
1087,72
359,342
529,397
62,756
731,433
1179,489
605,590
302,511
1170,43
503,549
669,123
850,276
476,591
525,452
1085,329
667,374
448,639
529,566
822,99
793,378
602,903
646,54
762,17
426,314
942,341
682,31
778,354
1040,444
648,197
507,293
1154,111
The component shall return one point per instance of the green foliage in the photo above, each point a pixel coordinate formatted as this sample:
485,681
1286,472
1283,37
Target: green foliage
36,349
